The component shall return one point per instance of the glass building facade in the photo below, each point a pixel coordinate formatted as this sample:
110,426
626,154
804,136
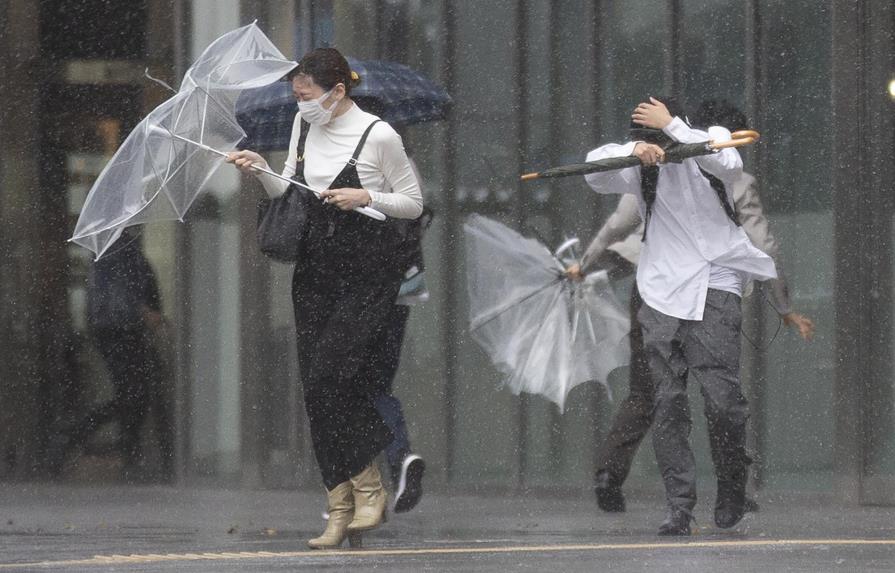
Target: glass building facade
533,84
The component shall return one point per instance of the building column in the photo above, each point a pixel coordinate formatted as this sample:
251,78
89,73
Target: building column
861,128
22,234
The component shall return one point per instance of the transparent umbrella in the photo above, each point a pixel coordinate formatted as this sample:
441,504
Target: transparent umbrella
545,332
167,160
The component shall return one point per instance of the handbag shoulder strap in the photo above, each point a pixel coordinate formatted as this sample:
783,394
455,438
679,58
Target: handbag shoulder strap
300,150
302,137
360,144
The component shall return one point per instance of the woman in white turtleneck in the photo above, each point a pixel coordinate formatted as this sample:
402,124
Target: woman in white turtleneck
346,280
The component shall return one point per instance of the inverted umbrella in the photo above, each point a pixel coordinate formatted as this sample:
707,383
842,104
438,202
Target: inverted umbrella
401,95
167,160
545,332
674,153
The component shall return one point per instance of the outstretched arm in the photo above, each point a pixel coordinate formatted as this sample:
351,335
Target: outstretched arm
623,221
757,228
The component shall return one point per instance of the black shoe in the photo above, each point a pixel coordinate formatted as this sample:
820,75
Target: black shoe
677,523
410,484
609,493
730,503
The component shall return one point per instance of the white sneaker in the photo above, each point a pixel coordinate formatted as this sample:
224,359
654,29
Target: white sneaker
410,484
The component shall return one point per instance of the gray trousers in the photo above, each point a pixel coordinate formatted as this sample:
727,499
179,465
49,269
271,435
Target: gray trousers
709,351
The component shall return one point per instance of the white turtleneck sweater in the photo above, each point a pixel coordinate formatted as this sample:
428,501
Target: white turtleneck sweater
383,166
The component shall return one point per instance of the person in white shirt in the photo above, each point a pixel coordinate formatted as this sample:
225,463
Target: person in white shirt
616,247
694,264
346,281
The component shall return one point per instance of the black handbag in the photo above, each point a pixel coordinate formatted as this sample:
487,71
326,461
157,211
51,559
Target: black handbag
283,225
283,222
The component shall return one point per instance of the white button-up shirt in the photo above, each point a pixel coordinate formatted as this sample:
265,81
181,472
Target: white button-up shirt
690,244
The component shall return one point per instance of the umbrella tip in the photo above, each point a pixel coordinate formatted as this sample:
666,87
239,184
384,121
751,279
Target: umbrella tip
530,176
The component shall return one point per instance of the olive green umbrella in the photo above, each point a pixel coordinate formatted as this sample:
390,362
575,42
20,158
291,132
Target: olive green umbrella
674,153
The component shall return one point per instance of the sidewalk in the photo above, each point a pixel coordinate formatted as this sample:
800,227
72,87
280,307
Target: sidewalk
45,527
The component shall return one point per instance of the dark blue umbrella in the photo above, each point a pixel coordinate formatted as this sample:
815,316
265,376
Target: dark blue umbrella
398,94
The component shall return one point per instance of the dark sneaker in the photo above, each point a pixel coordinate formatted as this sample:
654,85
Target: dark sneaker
730,503
677,523
410,483
609,493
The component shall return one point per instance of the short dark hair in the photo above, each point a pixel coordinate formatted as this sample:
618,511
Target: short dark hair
720,112
327,67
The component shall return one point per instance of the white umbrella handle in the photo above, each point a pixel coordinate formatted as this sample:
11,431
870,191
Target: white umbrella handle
368,211
568,244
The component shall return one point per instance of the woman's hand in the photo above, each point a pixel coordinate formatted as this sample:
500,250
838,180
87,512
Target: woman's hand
346,198
653,114
648,153
243,160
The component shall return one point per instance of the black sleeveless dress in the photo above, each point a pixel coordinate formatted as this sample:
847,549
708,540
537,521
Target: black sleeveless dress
343,290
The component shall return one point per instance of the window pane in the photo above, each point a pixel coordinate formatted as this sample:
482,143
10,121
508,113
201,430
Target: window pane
636,40
796,190
713,52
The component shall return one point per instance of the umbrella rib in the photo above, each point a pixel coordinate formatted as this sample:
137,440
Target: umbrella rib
233,59
514,303
540,330
225,115
590,327
169,174
204,113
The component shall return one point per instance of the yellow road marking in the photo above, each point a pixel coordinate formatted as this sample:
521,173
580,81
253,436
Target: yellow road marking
155,557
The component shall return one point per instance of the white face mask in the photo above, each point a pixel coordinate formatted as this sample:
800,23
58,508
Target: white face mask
313,112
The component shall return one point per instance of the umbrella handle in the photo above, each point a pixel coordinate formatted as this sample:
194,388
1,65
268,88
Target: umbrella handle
738,139
368,211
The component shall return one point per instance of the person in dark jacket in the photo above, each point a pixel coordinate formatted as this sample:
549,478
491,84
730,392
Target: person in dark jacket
123,310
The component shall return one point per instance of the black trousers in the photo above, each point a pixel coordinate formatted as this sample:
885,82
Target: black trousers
383,368
635,414
342,323
135,370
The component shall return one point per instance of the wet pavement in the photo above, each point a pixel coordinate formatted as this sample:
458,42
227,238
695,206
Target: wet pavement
47,527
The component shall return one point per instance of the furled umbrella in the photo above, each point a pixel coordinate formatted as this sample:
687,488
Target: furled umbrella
397,93
168,159
544,331
674,153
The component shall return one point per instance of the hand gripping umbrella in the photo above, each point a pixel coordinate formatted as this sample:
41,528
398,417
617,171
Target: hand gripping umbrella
674,153
543,331
168,159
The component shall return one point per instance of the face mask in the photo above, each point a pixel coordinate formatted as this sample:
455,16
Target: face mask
313,111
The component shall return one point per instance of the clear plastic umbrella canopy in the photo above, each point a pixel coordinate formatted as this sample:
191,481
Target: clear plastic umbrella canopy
167,160
543,331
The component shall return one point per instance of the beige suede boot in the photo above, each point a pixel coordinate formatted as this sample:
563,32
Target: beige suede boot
369,500
340,504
